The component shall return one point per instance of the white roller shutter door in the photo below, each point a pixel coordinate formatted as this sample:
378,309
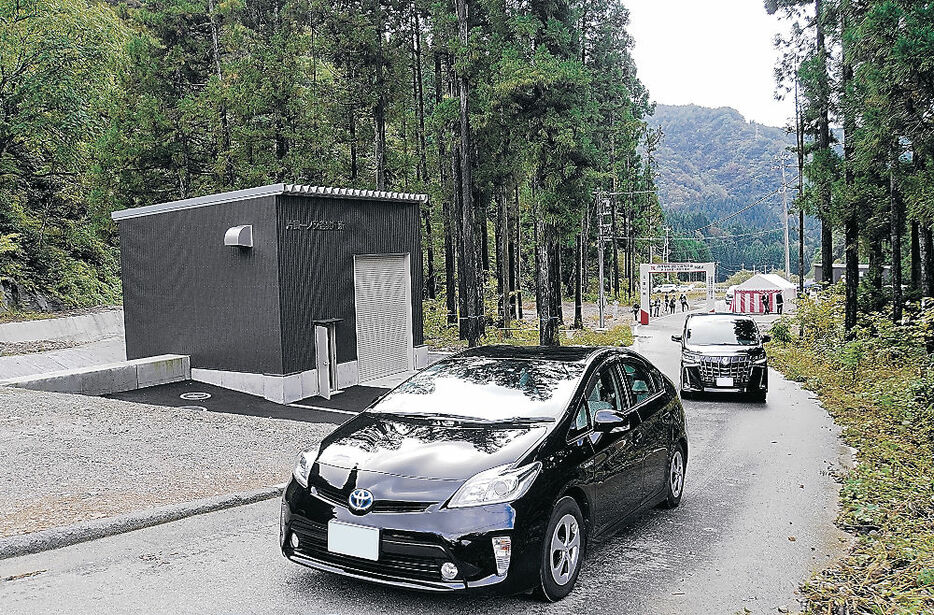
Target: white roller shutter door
384,315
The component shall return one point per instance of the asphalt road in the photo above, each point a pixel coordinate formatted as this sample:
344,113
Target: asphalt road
755,522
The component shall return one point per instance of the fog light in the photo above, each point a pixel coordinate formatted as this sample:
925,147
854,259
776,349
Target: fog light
448,571
294,541
502,551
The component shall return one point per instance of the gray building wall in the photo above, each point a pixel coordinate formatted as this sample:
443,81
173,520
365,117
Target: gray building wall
318,238
185,292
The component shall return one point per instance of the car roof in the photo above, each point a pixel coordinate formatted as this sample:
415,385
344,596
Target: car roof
564,354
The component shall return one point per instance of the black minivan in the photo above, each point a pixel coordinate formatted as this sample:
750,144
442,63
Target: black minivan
492,469
723,352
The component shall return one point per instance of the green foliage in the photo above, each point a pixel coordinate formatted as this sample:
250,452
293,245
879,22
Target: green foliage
781,330
59,60
879,386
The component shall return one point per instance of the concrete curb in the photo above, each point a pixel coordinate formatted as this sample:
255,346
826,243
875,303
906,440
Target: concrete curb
58,537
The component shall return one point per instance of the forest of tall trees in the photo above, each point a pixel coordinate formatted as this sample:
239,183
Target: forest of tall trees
868,67
510,115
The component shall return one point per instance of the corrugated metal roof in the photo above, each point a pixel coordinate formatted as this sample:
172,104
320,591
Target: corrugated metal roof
270,190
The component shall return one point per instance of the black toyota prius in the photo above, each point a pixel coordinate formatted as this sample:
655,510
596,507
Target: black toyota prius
491,469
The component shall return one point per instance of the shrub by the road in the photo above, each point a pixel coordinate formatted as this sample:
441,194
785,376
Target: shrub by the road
879,387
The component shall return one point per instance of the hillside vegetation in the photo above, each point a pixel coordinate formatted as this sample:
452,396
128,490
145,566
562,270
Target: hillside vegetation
712,163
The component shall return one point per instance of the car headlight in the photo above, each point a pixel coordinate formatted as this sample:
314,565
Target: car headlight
690,357
306,460
496,486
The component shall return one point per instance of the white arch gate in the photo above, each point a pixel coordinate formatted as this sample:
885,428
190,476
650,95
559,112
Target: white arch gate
645,282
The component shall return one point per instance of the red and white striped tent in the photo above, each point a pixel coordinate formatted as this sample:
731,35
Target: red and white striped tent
759,291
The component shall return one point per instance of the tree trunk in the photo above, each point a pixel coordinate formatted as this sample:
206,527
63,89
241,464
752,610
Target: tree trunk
823,146
896,221
468,267
502,255
915,256
613,243
519,314
927,261
799,137
544,250
379,109
851,224
450,292
226,178
352,127
579,279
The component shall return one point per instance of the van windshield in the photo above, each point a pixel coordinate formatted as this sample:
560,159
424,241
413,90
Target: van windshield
722,332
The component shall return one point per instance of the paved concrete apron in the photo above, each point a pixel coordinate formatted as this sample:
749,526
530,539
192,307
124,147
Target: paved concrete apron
756,520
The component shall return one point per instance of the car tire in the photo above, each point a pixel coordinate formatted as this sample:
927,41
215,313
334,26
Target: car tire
563,548
674,478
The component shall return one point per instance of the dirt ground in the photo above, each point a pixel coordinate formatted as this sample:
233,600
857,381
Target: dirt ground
71,458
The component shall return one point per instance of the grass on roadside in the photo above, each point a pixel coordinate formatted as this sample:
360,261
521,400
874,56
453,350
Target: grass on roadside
443,336
879,387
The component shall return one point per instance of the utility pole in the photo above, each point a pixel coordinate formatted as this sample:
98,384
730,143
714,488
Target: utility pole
785,219
667,251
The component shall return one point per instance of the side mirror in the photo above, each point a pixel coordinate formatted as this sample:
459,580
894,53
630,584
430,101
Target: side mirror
611,421
677,338
766,338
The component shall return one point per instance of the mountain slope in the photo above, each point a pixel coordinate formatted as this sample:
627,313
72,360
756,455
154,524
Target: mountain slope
712,163
714,159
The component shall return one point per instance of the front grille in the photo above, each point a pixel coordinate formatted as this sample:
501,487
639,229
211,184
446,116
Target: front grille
421,562
339,497
736,367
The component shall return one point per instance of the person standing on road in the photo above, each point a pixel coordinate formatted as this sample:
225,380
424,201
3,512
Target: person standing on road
684,302
779,303
765,303
667,307
636,308
672,305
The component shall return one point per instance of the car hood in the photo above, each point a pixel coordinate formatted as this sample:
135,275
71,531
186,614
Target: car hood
722,350
427,449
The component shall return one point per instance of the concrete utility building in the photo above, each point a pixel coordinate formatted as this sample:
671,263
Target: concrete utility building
283,291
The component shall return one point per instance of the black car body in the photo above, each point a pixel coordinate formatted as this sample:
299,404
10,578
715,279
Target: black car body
725,353
594,431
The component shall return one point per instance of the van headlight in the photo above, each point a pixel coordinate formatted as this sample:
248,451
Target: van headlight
690,357
496,486
306,459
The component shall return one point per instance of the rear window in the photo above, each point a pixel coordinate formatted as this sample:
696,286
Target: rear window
722,331
487,389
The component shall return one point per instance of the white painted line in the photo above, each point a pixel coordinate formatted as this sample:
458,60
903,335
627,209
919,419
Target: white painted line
304,407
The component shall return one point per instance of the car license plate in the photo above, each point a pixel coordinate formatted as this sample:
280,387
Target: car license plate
724,382
353,540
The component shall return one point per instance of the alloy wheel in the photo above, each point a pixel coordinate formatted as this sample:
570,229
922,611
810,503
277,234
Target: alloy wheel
565,549
676,474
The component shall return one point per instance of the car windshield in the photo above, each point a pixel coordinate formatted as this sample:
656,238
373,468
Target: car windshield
486,390
722,331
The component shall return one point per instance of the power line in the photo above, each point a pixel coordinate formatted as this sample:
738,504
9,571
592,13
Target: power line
748,207
711,237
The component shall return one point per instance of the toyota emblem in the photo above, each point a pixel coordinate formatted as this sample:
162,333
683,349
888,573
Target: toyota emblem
360,500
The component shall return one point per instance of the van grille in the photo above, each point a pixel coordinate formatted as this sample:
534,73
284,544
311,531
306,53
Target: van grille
736,367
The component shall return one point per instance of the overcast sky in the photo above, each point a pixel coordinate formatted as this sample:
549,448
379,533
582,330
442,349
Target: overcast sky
715,53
